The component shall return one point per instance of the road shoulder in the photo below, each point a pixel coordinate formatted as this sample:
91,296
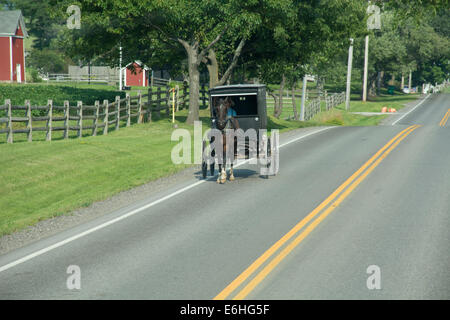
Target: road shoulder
408,107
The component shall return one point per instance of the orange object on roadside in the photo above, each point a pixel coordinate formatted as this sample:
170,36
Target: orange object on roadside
384,109
392,110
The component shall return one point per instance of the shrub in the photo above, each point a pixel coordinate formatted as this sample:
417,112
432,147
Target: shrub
38,94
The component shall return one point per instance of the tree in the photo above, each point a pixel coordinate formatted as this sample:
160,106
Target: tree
283,53
47,61
195,27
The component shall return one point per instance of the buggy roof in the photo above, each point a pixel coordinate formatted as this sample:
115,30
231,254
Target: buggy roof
238,89
240,86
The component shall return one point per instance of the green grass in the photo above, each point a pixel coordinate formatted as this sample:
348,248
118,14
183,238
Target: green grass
340,116
375,104
41,180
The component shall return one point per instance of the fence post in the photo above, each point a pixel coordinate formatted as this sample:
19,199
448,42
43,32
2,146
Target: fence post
128,108
167,101
9,134
177,97
105,119
97,109
66,119
149,104
128,101
158,102
184,95
80,118
49,120
117,112
29,121
140,114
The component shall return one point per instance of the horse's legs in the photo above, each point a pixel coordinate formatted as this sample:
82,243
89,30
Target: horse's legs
231,172
220,173
223,173
222,178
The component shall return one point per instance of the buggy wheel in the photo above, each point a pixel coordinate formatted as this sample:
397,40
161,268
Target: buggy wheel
204,169
204,164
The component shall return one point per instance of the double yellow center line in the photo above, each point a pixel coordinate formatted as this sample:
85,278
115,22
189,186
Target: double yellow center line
445,118
261,267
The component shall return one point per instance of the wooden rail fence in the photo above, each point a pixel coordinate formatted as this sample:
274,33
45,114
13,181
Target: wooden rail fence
102,115
312,108
334,100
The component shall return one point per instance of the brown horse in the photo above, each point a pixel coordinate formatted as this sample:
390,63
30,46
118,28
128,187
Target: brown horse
224,119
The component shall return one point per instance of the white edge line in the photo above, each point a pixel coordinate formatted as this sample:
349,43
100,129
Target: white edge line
129,214
393,123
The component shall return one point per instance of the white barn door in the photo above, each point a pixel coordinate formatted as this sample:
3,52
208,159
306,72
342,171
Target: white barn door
19,73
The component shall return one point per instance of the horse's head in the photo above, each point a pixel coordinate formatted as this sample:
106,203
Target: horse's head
221,110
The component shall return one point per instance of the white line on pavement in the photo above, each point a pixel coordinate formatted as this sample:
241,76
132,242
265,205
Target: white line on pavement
393,123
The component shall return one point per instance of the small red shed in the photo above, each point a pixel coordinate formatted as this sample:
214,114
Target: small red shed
12,51
136,74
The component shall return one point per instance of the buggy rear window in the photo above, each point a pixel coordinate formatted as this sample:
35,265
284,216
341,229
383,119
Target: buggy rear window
243,104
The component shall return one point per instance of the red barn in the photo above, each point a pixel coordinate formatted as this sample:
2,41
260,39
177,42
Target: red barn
12,54
136,74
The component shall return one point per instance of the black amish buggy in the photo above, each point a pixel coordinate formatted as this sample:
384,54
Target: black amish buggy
241,106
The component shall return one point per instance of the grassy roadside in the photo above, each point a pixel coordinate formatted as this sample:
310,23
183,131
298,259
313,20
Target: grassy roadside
339,116
41,180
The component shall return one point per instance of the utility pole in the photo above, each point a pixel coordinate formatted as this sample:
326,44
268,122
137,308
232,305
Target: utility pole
349,75
302,108
410,80
366,63
120,69
89,72
374,22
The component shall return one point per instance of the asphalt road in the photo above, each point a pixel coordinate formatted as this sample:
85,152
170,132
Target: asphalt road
391,211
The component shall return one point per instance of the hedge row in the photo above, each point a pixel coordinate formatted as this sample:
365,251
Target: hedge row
39,94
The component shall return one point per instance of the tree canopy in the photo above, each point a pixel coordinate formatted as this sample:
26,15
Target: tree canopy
275,41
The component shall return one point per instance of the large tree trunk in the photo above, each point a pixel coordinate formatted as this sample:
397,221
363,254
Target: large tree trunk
194,91
372,88
213,68
194,83
195,57
379,81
